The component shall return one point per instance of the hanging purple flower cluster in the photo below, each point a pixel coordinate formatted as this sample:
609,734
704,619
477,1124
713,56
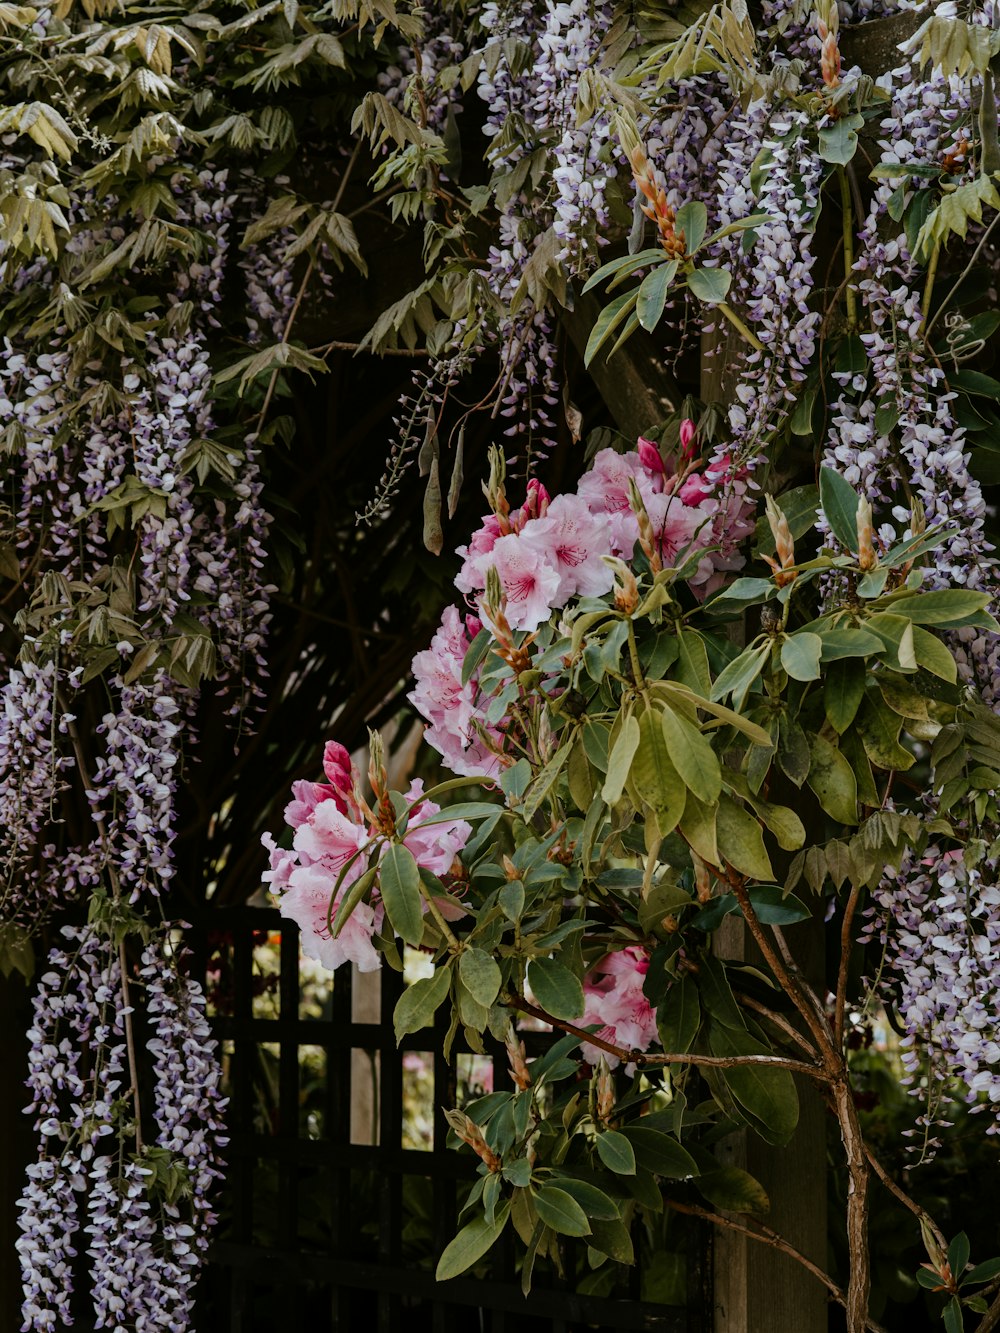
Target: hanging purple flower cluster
142,1211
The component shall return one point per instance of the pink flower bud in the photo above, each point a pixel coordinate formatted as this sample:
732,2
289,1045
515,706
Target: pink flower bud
537,501
337,766
472,626
688,432
649,456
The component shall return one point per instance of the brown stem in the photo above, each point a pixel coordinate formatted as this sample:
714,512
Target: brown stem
846,940
778,1020
768,1237
642,1060
991,1319
789,984
920,1213
133,1064
858,1181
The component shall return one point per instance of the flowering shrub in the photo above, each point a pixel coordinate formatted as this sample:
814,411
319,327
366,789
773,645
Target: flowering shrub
639,809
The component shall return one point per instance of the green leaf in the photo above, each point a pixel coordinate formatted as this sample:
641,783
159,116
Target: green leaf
475,653
800,654
839,502
691,754
616,1152
611,1238
351,899
717,994
543,784
594,1202
741,841
832,781
698,828
733,1189
607,321
624,265
416,1007
678,1017
838,141
460,810
471,1243
958,1255
774,907
952,1315
843,690
848,641
511,900
561,1212
659,1153
990,1268
653,294
692,220
879,730
945,606
654,776
793,750
709,284
480,975
555,988
620,760
767,1094
399,882
741,673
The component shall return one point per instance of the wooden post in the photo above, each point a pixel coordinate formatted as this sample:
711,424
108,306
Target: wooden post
757,1289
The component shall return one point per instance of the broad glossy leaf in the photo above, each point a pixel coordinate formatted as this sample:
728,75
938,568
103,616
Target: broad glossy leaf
698,828
555,988
678,1017
416,1007
616,1152
691,754
800,654
839,502
848,641
717,994
734,1190
620,760
594,1202
793,749
656,780
471,1243
692,220
480,974
607,322
399,883
933,656
653,295
611,1238
774,907
832,780
561,1212
740,674
624,264
741,841
879,730
710,284
658,1152
843,690
943,606
767,1094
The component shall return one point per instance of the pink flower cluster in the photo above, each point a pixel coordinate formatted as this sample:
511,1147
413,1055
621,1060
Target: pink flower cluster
614,999
457,730
550,551
331,825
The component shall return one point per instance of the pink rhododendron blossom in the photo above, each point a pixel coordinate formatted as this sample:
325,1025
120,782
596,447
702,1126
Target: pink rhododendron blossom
477,556
614,999
281,864
339,773
436,846
529,582
306,796
446,704
572,541
694,489
306,901
330,838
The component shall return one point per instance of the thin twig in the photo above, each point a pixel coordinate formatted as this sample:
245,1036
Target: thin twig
768,1237
898,1192
846,940
642,1060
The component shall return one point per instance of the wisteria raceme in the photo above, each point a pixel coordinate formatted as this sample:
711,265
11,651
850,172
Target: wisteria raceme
938,921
